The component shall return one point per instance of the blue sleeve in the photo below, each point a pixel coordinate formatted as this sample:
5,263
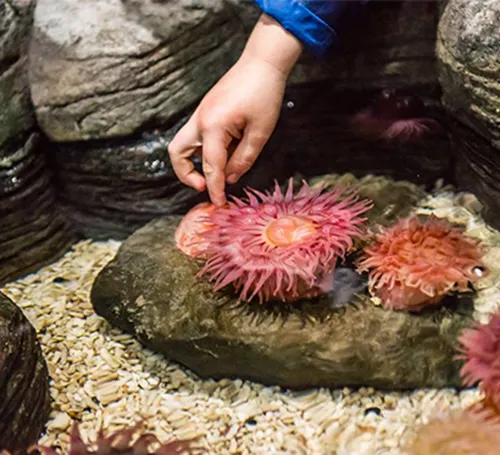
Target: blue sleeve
311,21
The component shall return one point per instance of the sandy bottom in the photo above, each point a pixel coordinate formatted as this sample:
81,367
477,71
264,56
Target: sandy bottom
102,376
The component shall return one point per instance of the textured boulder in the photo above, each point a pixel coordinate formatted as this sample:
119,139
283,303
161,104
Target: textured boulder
104,68
24,381
31,232
151,290
468,49
16,115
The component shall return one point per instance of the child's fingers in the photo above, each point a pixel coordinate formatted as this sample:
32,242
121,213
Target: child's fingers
246,153
184,145
215,143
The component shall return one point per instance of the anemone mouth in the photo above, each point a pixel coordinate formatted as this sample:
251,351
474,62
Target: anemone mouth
288,230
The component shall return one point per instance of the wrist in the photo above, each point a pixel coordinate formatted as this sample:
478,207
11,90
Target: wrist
271,43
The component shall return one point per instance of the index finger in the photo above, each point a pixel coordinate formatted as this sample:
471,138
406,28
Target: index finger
215,145
182,147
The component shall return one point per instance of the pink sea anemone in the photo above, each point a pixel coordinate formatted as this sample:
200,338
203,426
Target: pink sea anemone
480,347
123,442
459,434
393,117
193,224
280,246
414,264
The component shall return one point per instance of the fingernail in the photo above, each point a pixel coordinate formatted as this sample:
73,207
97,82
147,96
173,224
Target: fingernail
232,178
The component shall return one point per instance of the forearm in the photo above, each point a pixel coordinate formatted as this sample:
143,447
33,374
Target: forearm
271,43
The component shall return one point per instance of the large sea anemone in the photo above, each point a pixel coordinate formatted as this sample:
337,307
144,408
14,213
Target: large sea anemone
394,117
414,264
123,442
277,245
459,434
480,347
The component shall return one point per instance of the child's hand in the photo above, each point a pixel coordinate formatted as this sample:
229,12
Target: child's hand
235,119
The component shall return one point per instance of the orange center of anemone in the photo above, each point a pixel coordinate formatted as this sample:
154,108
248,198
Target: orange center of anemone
288,230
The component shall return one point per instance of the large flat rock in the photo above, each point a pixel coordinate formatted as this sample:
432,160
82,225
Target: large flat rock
105,68
150,290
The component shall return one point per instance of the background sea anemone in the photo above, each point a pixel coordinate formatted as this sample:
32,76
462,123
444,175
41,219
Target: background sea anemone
459,434
123,442
281,245
481,350
393,117
414,264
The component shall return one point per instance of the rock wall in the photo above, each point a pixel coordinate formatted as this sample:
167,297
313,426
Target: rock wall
468,49
31,232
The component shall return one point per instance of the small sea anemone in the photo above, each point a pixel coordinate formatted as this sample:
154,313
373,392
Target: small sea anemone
480,347
123,442
414,264
459,434
393,117
192,225
277,245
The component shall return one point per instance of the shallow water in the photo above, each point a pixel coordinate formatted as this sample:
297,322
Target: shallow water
100,375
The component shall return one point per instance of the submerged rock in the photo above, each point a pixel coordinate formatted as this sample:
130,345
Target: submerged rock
24,381
391,199
150,289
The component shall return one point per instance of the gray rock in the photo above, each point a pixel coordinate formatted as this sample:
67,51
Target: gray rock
32,231
468,49
24,381
134,62
16,115
150,289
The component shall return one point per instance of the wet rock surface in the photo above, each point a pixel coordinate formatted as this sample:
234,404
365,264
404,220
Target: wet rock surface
31,232
150,289
24,381
468,50
111,188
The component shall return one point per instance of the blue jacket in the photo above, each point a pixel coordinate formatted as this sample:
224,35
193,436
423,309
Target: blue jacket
311,21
